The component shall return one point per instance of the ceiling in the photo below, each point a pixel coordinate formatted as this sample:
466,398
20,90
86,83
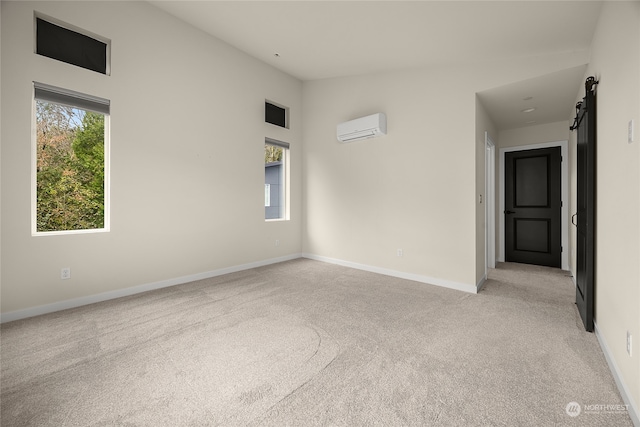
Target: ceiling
324,39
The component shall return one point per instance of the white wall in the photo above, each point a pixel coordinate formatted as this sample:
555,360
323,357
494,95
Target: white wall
535,134
187,138
615,61
414,189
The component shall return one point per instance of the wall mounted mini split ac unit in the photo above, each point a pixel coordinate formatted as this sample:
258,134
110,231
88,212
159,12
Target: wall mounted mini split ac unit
362,128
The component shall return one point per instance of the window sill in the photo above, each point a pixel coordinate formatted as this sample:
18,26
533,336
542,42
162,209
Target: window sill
69,232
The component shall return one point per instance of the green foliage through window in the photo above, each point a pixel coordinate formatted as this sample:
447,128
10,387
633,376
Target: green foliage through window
272,153
70,168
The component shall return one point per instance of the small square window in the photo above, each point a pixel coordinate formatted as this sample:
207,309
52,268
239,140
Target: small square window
276,115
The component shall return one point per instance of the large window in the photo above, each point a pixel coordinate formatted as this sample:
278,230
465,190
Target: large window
71,156
276,154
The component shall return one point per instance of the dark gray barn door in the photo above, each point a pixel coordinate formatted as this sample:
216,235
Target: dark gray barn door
533,207
586,126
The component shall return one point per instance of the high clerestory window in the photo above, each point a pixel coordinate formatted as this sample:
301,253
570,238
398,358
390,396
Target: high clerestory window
70,162
276,114
66,43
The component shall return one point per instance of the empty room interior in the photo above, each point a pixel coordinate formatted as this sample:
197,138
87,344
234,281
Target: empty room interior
320,213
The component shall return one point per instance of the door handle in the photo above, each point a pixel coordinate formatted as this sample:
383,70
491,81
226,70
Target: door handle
509,212
572,218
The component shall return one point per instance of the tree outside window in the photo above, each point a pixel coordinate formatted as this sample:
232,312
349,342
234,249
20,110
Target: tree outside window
70,168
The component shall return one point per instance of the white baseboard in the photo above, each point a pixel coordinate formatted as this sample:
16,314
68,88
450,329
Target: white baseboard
634,414
91,299
399,274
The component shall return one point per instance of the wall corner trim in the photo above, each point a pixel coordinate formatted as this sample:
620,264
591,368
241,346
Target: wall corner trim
634,414
105,296
473,289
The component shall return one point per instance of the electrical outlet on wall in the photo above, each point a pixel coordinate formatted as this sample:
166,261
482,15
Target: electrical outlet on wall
399,253
629,343
65,273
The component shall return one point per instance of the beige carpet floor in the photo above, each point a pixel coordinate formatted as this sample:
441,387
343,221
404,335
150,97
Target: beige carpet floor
306,343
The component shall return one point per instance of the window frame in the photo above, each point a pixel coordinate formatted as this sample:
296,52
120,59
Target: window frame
53,94
286,213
